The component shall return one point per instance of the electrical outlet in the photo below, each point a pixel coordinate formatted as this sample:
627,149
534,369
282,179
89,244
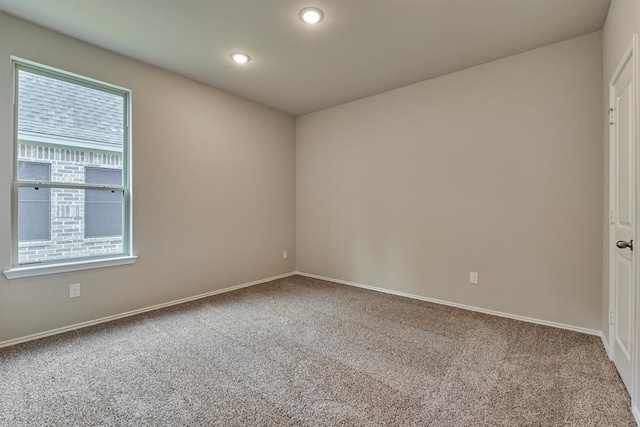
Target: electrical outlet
285,255
74,290
473,278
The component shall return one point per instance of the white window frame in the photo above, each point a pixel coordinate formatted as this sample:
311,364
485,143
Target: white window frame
18,270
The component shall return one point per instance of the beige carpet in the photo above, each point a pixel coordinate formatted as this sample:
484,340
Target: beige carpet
299,351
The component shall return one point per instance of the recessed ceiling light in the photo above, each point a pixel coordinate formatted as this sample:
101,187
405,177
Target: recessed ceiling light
240,58
311,15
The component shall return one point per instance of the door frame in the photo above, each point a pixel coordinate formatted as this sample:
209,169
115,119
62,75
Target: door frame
630,57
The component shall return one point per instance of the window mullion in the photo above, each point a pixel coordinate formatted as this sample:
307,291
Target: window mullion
72,186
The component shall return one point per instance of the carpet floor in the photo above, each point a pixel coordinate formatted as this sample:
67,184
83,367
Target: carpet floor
305,352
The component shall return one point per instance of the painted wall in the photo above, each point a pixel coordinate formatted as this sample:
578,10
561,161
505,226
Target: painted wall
622,22
496,169
213,191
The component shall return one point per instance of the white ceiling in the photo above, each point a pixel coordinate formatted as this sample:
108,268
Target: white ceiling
361,48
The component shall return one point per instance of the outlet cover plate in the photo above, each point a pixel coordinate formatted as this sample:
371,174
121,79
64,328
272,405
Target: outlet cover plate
74,290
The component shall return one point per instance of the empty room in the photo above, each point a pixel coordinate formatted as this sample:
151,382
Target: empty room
319,212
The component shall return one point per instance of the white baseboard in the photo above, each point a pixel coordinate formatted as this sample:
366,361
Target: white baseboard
134,312
463,306
257,282
636,414
606,345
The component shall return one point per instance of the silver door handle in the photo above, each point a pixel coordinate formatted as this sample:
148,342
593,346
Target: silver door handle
622,244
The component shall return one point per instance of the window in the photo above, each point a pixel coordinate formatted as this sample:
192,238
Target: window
102,209
72,173
34,204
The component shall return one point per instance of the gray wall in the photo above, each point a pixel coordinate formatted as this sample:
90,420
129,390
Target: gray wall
495,169
213,191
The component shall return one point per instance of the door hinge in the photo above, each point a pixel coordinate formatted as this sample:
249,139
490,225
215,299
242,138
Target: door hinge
611,116
611,317
611,217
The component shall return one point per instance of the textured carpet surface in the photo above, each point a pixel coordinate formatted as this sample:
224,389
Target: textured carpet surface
305,352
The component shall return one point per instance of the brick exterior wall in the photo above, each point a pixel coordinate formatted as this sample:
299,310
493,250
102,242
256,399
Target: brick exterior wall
67,205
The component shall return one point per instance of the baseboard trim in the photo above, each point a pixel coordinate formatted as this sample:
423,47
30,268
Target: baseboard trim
606,345
463,306
57,331
81,325
636,414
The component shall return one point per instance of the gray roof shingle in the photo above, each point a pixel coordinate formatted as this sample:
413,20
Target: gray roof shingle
60,109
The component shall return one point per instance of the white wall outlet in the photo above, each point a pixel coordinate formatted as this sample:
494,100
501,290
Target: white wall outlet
473,278
285,255
74,290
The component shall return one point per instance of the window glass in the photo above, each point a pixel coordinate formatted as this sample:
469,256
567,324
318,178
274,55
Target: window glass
34,203
72,171
103,208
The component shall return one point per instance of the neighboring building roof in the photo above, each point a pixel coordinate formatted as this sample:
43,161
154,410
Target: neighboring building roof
58,109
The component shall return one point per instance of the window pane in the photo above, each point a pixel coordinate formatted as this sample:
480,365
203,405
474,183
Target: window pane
68,224
103,176
74,131
34,171
103,214
34,203
70,114
34,214
103,208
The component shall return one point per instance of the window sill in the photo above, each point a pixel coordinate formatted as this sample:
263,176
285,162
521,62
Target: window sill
40,270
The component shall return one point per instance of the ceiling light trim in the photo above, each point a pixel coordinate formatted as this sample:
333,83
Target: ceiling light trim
311,15
240,57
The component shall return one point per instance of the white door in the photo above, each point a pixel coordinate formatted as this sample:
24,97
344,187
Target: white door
623,216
